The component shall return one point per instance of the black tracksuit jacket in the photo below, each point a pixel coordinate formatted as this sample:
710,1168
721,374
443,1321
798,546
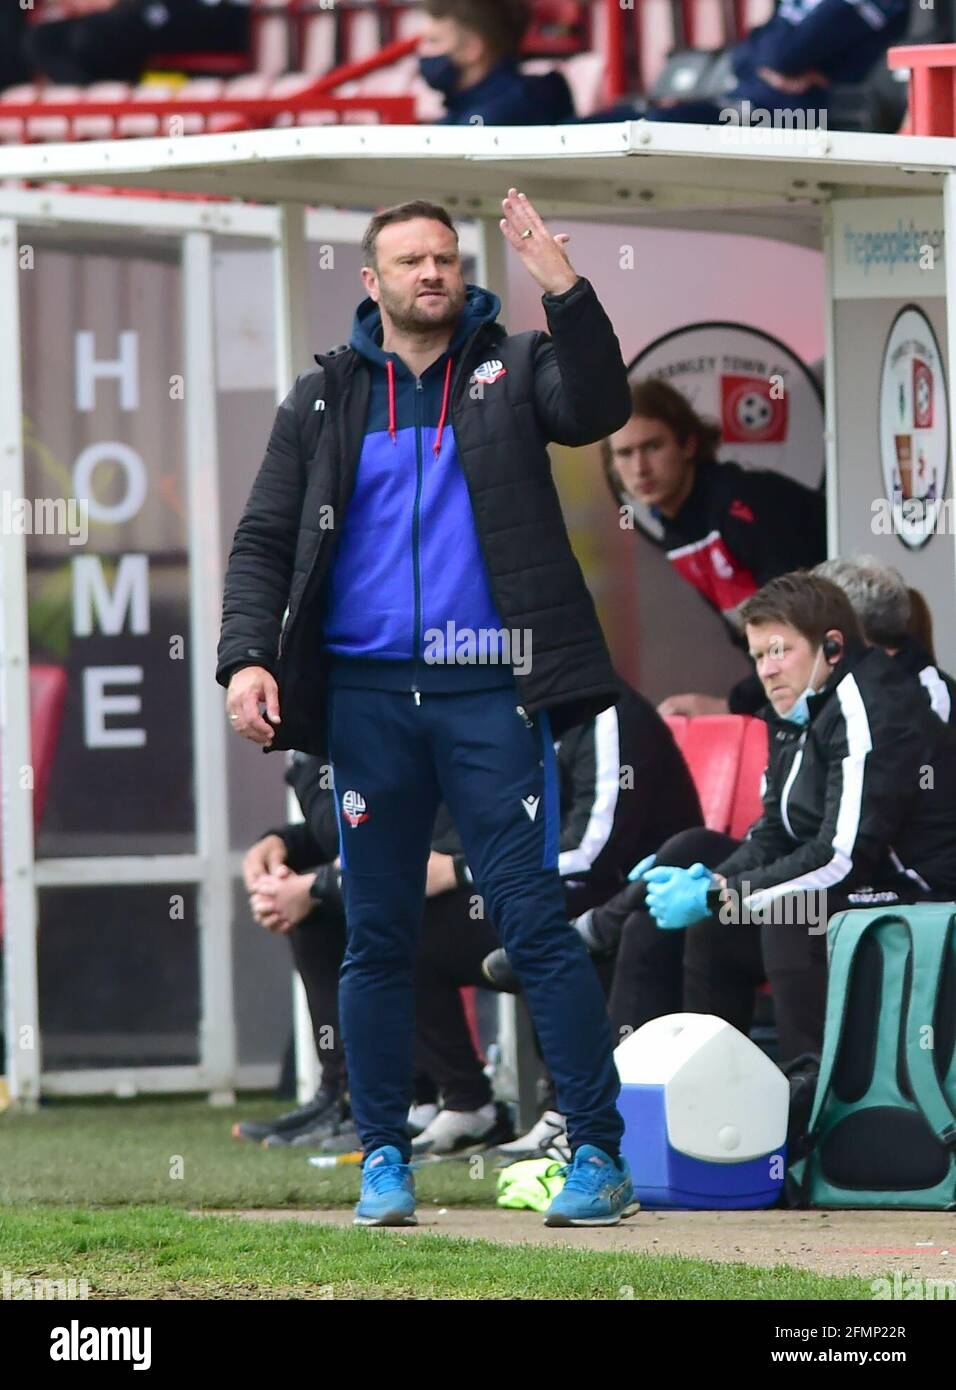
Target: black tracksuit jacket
570,388
863,796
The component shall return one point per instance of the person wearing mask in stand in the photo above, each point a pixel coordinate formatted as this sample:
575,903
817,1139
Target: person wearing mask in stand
469,51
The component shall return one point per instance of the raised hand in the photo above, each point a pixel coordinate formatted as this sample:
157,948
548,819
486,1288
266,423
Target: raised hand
543,255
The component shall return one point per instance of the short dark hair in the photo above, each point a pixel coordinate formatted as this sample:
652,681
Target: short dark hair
403,212
501,23
809,603
656,400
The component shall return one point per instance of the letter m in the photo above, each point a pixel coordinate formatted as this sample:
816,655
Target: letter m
130,594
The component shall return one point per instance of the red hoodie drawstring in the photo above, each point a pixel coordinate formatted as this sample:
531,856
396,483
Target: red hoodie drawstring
446,395
390,373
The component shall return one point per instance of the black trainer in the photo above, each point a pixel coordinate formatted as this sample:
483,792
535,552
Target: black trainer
311,1134
292,1121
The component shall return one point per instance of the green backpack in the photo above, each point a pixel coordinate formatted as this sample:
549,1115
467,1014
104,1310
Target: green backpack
882,1131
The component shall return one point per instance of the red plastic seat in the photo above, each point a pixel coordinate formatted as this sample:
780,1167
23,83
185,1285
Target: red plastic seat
677,723
47,697
712,746
753,762
727,755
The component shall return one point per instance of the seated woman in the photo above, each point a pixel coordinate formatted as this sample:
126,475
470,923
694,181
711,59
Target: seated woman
859,808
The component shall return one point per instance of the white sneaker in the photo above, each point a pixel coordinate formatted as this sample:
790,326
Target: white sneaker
420,1117
547,1139
451,1130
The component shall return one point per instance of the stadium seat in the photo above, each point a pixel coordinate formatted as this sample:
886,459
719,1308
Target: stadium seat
47,698
747,805
726,755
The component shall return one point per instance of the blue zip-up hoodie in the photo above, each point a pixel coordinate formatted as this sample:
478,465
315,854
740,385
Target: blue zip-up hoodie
408,559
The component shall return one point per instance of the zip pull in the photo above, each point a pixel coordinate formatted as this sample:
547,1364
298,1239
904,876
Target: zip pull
416,695
528,723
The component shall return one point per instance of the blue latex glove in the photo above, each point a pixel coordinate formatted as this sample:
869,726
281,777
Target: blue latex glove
678,897
639,870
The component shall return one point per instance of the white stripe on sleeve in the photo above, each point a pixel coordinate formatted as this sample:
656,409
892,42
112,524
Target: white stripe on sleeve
607,787
859,744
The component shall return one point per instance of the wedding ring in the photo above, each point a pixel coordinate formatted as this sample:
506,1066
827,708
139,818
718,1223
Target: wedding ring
529,232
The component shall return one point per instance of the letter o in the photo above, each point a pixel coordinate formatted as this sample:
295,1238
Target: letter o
84,468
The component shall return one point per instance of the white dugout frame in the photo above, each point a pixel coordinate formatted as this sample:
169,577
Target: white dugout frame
634,173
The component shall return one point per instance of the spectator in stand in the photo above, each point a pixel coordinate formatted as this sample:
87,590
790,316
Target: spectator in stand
883,604
470,52
727,530
113,40
850,819
790,63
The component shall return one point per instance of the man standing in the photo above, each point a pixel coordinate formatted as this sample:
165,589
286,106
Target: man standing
439,635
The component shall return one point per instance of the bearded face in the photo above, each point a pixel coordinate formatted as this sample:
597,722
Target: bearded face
418,282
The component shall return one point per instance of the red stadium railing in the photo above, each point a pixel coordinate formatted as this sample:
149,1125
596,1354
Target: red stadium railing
562,30
932,69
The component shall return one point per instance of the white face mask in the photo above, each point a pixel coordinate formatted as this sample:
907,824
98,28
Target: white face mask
799,711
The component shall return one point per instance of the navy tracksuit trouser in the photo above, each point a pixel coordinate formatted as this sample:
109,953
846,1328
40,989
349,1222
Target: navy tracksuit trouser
394,762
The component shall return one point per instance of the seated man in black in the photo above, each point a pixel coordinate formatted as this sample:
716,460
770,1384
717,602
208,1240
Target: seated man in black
859,809
470,51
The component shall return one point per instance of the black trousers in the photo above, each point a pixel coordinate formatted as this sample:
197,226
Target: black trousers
115,44
452,945
318,945
715,967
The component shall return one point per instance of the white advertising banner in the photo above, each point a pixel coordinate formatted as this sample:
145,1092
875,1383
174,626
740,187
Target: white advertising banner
888,248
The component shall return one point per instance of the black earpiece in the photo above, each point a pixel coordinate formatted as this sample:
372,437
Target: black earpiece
832,648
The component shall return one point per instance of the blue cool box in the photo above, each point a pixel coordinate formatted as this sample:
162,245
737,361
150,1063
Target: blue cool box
705,1115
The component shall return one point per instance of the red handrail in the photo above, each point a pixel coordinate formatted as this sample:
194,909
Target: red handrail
932,69
241,113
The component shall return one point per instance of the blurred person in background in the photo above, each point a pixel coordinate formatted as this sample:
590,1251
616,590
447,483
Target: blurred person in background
884,605
113,40
726,530
13,64
470,51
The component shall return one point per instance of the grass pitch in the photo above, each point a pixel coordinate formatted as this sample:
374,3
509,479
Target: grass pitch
109,1191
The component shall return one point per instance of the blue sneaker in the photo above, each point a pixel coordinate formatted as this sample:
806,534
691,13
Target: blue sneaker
597,1192
388,1190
